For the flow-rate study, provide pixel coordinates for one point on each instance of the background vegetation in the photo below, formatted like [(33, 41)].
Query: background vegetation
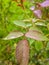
[(11, 18)]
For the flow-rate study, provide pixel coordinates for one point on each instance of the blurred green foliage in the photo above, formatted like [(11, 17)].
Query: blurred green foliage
[(9, 12)]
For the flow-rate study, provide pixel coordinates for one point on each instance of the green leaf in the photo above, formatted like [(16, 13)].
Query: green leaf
[(22, 24), (38, 45), (40, 24), (47, 47), (34, 27), (13, 35), (48, 26)]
